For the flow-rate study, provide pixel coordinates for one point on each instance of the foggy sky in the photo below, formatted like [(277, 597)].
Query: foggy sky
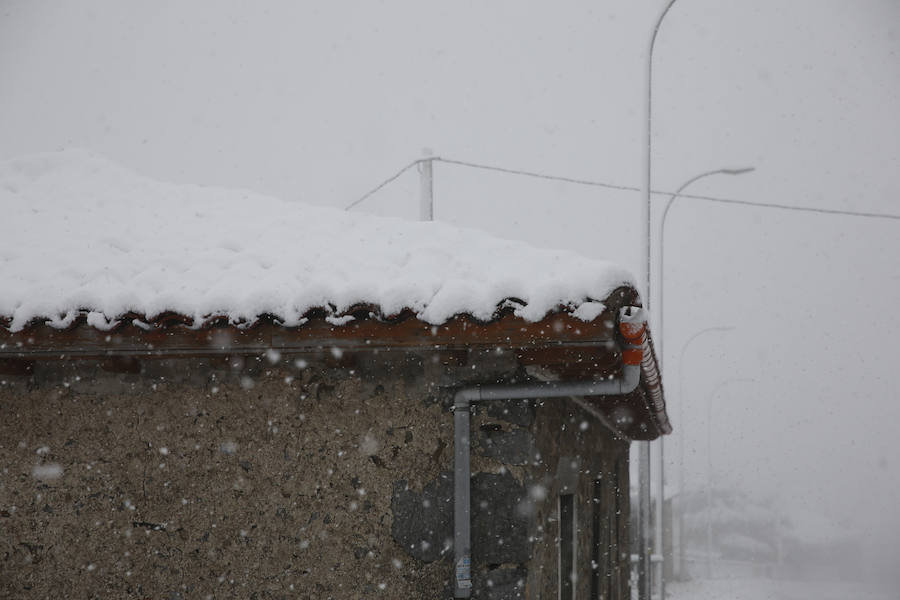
[(322, 103)]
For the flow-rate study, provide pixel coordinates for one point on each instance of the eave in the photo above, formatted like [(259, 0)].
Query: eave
[(560, 346)]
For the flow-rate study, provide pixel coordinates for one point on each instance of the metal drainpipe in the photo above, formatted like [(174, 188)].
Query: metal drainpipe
[(632, 325)]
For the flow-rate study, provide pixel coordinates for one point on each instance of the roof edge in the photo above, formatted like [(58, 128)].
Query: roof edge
[(86, 316)]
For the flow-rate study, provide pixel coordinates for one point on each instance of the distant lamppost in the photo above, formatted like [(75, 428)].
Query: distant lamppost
[(682, 566), (709, 465)]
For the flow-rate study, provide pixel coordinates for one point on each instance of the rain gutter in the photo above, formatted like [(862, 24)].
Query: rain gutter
[(633, 327)]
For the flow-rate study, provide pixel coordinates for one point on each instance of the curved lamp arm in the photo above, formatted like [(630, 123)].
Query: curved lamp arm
[(662, 241)]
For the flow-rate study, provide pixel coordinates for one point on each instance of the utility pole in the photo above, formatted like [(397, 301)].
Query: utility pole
[(426, 187)]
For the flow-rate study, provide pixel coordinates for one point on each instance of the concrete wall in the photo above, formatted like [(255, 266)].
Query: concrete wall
[(268, 479)]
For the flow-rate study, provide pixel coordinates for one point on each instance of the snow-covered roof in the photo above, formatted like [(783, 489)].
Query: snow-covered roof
[(79, 234)]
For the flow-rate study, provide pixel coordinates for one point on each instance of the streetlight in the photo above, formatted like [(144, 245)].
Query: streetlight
[(648, 130), (658, 541), (709, 466), (662, 235), (682, 567), (658, 533), (644, 448)]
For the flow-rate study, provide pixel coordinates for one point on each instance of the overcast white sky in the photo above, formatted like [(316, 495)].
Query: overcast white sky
[(321, 103)]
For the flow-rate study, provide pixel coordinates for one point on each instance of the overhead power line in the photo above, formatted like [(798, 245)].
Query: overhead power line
[(625, 188), (824, 211), (384, 183), (537, 175)]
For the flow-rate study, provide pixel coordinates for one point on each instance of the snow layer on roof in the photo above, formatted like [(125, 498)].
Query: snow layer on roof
[(79, 233)]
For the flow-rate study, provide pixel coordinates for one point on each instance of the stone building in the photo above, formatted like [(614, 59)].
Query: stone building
[(183, 452)]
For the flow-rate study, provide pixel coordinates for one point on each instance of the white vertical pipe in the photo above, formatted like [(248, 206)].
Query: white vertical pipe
[(426, 187)]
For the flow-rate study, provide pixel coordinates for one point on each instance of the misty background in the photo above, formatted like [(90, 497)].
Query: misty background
[(320, 103)]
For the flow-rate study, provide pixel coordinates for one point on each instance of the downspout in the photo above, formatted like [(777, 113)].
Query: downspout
[(633, 327)]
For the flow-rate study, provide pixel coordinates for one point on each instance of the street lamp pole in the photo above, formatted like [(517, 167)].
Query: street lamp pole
[(648, 148), (644, 589), (682, 565), (662, 237), (660, 339), (709, 466)]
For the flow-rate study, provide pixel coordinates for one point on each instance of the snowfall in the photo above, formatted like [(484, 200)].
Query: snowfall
[(81, 234)]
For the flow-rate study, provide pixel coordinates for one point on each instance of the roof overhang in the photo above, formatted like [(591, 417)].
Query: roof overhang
[(560, 346)]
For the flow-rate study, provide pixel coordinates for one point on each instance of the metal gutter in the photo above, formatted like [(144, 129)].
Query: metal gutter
[(632, 326)]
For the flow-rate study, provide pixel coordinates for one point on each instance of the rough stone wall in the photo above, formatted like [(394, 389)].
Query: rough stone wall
[(212, 479)]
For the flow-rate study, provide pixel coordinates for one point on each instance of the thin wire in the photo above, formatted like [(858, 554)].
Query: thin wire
[(627, 188), (825, 211), (537, 175), (385, 182)]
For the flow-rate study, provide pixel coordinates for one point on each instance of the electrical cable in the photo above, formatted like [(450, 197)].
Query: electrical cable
[(537, 175), (385, 182), (626, 188)]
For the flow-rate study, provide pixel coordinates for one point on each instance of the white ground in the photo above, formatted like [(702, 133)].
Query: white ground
[(768, 589)]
